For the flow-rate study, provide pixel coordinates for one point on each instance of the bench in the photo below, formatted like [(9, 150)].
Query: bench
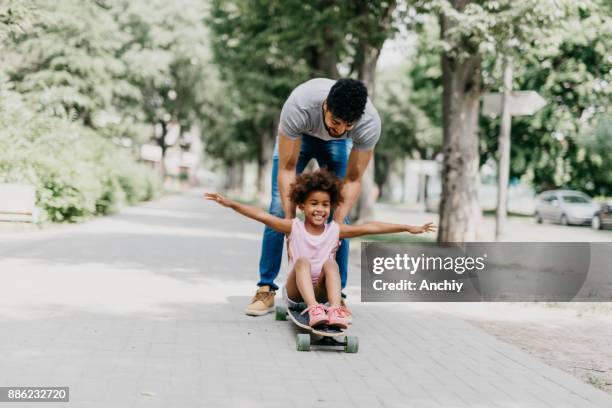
[(18, 203)]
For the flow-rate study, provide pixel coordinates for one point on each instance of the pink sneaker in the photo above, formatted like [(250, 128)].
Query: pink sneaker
[(316, 315), (346, 311), (337, 318)]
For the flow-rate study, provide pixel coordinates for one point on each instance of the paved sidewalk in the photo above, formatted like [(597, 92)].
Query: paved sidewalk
[(144, 309)]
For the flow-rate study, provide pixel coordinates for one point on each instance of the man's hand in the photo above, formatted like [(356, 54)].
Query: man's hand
[(219, 199), (258, 214), (429, 227), (351, 187)]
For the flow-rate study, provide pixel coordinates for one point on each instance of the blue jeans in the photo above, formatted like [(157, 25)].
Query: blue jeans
[(332, 154)]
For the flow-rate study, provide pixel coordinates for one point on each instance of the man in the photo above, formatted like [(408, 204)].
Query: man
[(335, 123)]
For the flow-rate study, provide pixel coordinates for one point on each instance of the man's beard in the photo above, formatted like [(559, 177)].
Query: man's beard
[(329, 132)]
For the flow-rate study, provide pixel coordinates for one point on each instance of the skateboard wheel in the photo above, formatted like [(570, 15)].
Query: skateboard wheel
[(281, 313), (303, 342), (352, 344)]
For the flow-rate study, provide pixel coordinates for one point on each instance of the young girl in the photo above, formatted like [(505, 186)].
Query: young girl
[(314, 277)]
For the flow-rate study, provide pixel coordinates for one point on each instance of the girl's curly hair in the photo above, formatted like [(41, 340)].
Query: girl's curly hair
[(319, 180)]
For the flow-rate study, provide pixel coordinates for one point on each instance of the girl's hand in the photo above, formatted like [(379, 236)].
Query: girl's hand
[(218, 198), (429, 227)]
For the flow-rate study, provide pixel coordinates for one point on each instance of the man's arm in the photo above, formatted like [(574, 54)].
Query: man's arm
[(282, 225), (288, 153), (375, 227), (357, 163)]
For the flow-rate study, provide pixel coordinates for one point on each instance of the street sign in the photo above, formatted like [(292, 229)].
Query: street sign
[(522, 103)]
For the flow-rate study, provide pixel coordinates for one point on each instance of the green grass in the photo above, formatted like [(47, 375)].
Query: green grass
[(596, 381)]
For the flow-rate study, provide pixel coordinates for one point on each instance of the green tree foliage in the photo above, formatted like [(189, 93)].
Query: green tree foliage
[(15, 17), (114, 65), (563, 145), (593, 153), (257, 49), (425, 74), (90, 76), (66, 100), (76, 172), (408, 117), (470, 32), (410, 101), (166, 54), (67, 61), (265, 48), (570, 68)]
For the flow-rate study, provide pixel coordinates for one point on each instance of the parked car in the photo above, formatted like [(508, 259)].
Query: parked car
[(565, 207), (603, 217)]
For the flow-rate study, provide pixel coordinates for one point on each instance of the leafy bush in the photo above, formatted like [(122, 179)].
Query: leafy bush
[(76, 172)]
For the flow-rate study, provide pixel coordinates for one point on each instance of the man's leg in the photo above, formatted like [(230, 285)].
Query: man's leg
[(271, 255), (273, 242), (334, 156)]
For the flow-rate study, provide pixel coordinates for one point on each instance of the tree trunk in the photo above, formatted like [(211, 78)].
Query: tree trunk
[(323, 60), (264, 170), (460, 211), (369, 195), (366, 72), (503, 167), (235, 174), (161, 142), (327, 63), (366, 60)]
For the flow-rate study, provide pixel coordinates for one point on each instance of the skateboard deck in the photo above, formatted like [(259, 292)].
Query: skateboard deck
[(323, 336), (301, 320)]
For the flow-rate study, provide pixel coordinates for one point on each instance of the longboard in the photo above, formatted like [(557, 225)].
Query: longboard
[(323, 335)]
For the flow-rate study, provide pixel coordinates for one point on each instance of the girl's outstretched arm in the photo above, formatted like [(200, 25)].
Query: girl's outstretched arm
[(282, 225), (375, 227)]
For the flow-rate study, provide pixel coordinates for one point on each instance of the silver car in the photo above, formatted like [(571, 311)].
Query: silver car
[(566, 207), (603, 218)]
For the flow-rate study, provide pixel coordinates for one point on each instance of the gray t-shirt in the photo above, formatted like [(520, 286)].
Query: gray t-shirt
[(303, 114)]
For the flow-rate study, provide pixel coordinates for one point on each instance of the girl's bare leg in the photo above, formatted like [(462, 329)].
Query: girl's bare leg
[(299, 283), (330, 278)]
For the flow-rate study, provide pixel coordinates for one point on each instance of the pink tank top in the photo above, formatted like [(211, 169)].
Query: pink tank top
[(316, 248)]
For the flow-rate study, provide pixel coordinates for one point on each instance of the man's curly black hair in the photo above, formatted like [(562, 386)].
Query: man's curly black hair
[(347, 99), (319, 180)]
